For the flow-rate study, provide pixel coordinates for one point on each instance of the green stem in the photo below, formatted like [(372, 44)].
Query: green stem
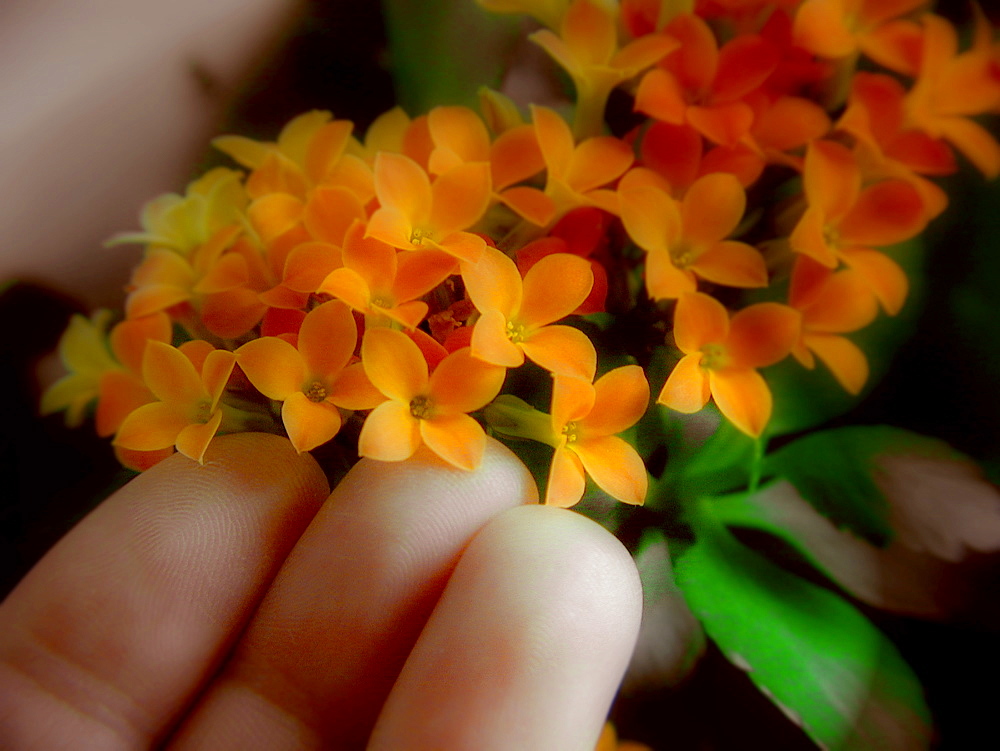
[(757, 463)]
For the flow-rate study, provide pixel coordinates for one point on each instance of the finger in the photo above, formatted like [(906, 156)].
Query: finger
[(323, 651), (104, 641), (527, 645)]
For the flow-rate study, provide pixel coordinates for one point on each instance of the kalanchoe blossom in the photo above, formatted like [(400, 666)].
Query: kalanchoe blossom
[(585, 421), (516, 315), (721, 358), (188, 383), (421, 408), (416, 214), (313, 378)]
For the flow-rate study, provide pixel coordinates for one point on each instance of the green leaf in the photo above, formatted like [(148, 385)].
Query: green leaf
[(818, 659), (835, 471), (442, 51)]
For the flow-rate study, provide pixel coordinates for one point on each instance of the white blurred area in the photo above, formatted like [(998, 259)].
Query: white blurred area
[(104, 105)]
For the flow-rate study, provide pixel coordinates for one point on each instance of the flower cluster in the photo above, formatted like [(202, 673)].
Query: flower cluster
[(394, 280)]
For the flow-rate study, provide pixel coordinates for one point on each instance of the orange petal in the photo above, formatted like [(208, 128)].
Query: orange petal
[(119, 394), (832, 179), (790, 122), (215, 373), (530, 203), (152, 299), (762, 334), (664, 281), (391, 226), (810, 238), (724, 124), (651, 217), (402, 185), (886, 279), (491, 343), (228, 272), (553, 288), (493, 283), (420, 271), (745, 63), (409, 314), (699, 319), (660, 96), (171, 376), (572, 400), (687, 387), (390, 433), (820, 27), (330, 211), (456, 438), (844, 359), (622, 397), (152, 427), (567, 480), (515, 156), (743, 397), (232, 313), (555, 140), (193, 440), (325, 147), (394, 364), (128, 338), (461, 197), (309, 424), (844, 302), (327, 338), (462, 383), (352, 389), (464, 246), (885, 213), (562, 350), (459, 135), (974, 141), (349, 286), (734, 264), (274, 367), (615, 466), (273, 215), (308, 264), (712, 207), (598, 161)]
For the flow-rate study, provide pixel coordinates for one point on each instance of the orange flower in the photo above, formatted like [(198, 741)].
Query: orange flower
[(311, 379), (516, 314), (587, 49), (838, 28), (832, 303), (416, 214), (703, 86), (844, 220), (421, 408), (585, 419), (684, 239), (188, 382), (382, 283), (576, 173), (721, 357)]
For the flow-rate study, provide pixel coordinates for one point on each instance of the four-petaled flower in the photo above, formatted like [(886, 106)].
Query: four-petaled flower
[(313, 378), (585, 420), (721, 357), (421, 408)]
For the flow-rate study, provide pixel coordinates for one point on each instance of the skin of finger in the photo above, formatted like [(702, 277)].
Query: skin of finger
[(318, 660), (527, 645), (104, 642)]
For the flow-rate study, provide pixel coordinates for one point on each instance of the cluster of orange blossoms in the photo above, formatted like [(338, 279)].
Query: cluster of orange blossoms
[(392, 282)]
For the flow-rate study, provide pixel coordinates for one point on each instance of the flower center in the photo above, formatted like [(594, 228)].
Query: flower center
[(682, 255), (421, 407), (515, 332), (714, 357), (571, 431), (316, 392), (419, 236), (831, 236), (202, 412)]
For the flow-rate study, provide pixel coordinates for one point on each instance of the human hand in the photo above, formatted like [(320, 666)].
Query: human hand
[(232, 605)]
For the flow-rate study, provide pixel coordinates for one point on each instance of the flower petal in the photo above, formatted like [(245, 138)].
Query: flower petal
[(843, 357), (493, 283), (491, 343), (687, 387), (699, 319), (553, 288), (171, 376), (456, 438), (402, 185), (390, 433), (327, 338), (732, 263), (274, 367), (712, 207), (394, 364), (309, 424), (562, 350), (152, 427), (567, 480), (743, 397), (572, 400), (460, 197), (462, 383), (762, 334), (621, 398), (615, 466), (193, 440)]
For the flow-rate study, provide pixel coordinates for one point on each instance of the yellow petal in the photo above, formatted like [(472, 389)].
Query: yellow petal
[(843, 357), (171, 376), (712, 207), (152, 427), (463, 383), (651, 217), (699, 319), (493, 283), (572, 400), (352, 389), (401, 184), (732, 263), (490, 341), (327, 338), (460, 197)]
